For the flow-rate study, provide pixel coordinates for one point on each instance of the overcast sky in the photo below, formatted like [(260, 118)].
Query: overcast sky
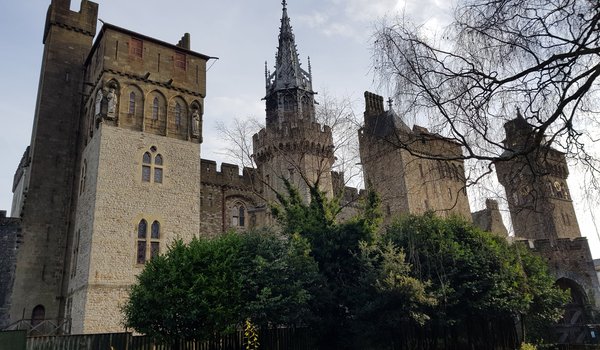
[(243, 34)]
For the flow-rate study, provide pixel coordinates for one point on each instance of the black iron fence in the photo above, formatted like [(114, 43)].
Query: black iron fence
[(269, 339)]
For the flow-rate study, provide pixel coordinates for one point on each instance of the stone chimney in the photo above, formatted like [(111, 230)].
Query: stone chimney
[(184, 43)]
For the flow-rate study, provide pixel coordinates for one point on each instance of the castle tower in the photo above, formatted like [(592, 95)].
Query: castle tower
[(292, 145), (534, 176), (413, 171), (46, 190), (535, 179), (139, 168)]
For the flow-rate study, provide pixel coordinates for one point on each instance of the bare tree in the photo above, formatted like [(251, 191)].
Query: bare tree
[(238, 135), (541, 57), (498, 59), (338, 114)]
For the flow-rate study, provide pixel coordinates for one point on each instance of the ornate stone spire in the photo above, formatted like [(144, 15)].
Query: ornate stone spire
[(288, 73)]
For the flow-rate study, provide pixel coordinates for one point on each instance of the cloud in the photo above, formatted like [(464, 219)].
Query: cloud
[(352, 18)]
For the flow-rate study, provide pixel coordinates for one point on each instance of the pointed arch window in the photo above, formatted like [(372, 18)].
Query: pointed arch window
[(147, 247), (154, 239), (238, 215), (131, 103), (152, 166), (155, 108), (142, 234)]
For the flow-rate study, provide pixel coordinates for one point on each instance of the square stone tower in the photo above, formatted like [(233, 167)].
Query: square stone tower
[(46, 190), (412, 170)]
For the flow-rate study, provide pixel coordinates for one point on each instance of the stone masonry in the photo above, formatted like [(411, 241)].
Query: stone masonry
[(114, 172)]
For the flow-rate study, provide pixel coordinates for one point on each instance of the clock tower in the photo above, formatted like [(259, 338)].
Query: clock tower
[(535, 179)]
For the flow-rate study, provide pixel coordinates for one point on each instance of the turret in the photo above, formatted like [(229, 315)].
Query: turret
[(289, 95)]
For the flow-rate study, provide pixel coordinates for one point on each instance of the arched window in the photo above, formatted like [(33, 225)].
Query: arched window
[(146, 167), (150, 167), (154, 239), (238, 215), (142, 234), (155, 109), (177, 114), (242, 216), (147, 246), (38, 314), (132, 103)]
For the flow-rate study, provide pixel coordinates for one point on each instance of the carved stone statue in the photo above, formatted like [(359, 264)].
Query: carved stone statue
[(98, 107), (111, 98), (196, 123)]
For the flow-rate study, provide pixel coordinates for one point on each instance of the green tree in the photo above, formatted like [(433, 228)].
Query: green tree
[(482, 282), (364, 289), (212, 285)]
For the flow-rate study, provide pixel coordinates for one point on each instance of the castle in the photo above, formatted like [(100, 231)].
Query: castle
[(114, 172)]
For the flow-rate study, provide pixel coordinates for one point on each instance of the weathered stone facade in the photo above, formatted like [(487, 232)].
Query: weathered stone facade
[(114, 173), (413, 170), (10, 232)]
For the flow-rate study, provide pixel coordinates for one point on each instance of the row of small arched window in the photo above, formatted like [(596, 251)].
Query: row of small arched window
[(155, 108)]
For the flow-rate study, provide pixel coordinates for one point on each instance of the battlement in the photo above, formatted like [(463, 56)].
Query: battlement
[(84, 21), (302, 128), (571, 245), (303, 136), (229, 174)]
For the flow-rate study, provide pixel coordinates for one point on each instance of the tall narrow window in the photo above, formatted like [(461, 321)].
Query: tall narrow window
[(155, 109), (132, 103), (136, 47), (242, 216), (154, 239), (75, 254), (177, 114), (142, 234), (147, 247), (146, 167), (238, 215), (158, 171), (152, 166)]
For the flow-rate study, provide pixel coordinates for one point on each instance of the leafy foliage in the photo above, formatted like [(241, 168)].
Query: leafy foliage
[(212, 285), (477, 277), (364, 286)]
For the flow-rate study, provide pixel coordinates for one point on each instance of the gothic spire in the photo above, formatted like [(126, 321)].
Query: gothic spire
[(288, 73)]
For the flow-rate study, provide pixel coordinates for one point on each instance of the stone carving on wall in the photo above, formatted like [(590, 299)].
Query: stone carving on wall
[(196, 123), (111, 98), (98, 104)]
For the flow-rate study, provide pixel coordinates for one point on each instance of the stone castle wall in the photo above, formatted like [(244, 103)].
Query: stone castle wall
[(107, 263), (46, 208), (9, 237)]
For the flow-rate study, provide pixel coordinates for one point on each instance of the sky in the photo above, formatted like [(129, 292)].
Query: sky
[(336, 34)]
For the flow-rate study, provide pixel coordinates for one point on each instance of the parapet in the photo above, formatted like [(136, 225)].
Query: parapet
[(229, 175), (302, 136), (84, 21), (571, 245)]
